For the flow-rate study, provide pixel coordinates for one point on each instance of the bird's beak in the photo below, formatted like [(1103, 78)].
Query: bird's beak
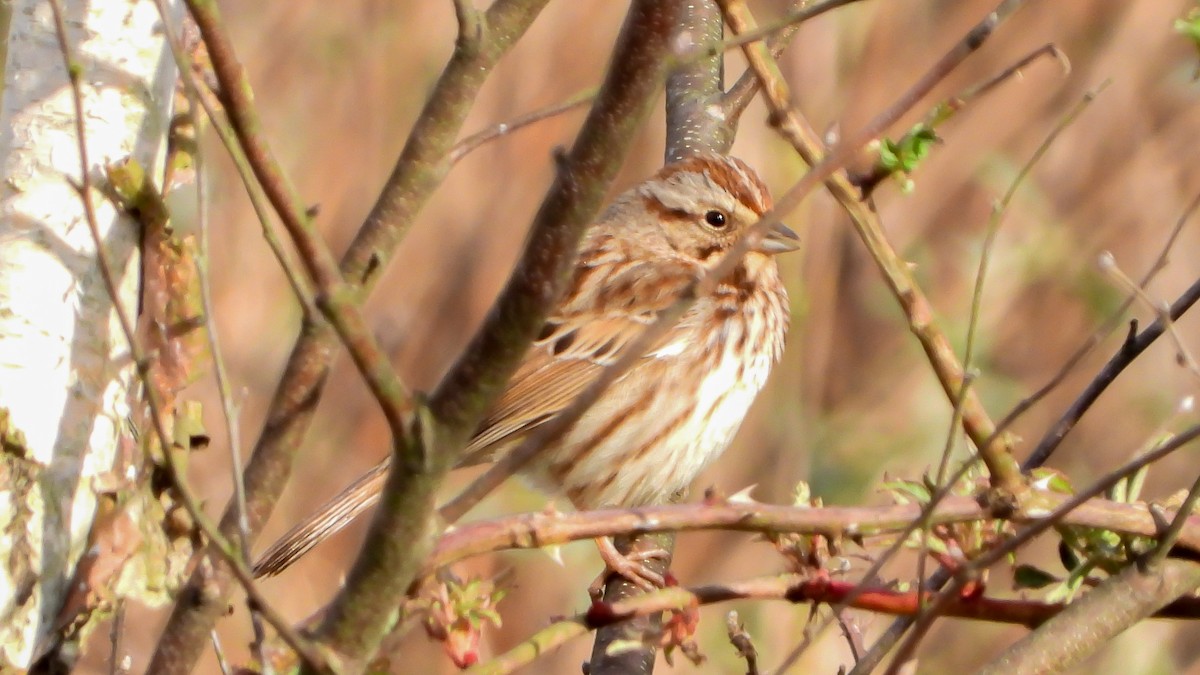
[(779, 239)]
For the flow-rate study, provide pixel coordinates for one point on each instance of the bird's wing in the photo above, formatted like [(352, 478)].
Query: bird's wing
[(573, 348)]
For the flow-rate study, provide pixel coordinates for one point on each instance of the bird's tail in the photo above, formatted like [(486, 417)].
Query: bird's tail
[(334, 515)]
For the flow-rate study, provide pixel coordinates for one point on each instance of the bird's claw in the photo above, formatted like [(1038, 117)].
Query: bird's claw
[(632, 566)]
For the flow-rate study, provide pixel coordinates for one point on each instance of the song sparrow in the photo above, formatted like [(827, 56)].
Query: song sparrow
[(677, 409)]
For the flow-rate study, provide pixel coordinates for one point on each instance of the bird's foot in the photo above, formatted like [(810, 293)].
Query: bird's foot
[(632, 566)]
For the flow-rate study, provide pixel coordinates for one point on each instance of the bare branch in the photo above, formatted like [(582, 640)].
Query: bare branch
[(470, 143)]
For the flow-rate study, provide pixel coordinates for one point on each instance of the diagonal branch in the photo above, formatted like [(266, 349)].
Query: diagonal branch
[(1080, 630), (337, 299), (995, 452)]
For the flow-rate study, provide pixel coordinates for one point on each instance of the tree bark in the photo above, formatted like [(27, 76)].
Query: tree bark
[(65, 371)]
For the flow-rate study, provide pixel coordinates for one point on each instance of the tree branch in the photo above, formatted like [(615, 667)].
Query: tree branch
[(1082, 629)]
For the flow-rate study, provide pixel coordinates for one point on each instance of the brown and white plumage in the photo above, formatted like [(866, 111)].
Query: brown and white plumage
[(679, 406)]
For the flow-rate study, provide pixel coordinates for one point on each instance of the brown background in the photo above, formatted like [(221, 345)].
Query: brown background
[(339, 84)]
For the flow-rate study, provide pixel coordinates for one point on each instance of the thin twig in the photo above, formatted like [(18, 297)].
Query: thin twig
[(1000, 210), (219, 652), (741, 641), (200, 93), (470, 143), (1108, 265), (948, 108), (1048, 49), (1106, 329)]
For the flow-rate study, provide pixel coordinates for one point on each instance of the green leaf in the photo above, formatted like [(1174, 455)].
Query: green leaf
[(1189, 27), (1028, 576), (1055, 481), (901, 488)]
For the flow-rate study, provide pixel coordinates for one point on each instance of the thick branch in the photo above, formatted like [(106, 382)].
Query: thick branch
[(694, 91), (1085, 626)]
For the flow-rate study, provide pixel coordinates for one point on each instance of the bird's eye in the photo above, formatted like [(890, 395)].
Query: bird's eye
[(715, 219)]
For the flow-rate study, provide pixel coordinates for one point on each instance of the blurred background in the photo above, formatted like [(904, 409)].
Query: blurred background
[(339, 84)]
